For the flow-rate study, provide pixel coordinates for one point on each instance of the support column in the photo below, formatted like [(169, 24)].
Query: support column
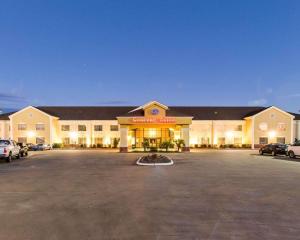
[(185, 135), (123, 138)]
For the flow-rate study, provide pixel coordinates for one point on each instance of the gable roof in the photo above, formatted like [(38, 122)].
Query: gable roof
[(111, 113)]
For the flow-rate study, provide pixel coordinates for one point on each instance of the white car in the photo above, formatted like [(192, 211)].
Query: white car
[(9, 149), (294, 150)]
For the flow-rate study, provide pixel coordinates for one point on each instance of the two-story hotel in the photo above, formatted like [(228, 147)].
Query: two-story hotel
[(153, 121)]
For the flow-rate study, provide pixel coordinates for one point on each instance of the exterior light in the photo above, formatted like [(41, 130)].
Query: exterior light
[(272, 134), (30, 134), (73, 135), (229, 134), (152, 133)]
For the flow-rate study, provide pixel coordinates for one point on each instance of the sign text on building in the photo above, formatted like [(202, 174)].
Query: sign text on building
[(153, 120)]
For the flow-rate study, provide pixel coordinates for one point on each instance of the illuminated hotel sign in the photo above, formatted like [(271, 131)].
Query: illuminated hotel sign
[(153, 120)]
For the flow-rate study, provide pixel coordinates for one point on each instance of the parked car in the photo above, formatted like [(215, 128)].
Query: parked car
[(9, 149), (273, 149), (23, 149), (294, 150), (41, 147), (30, 146)]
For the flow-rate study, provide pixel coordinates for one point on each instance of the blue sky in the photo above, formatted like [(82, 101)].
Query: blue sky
[(119, 52)]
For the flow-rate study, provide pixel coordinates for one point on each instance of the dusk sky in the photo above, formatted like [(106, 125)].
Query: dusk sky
[(235, 53)]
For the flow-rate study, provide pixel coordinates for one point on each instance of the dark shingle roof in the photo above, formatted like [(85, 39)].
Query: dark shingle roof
[(110, 113)]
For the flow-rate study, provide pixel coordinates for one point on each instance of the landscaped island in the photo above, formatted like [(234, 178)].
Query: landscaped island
[(154, 159)]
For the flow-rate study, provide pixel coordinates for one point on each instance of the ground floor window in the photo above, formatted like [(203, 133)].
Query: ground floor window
[(81, 140), (66, 141), (205, 140), (281, 140), (263, 140), (22, 140), (237, 141), (221, 141), (40, 140), (155, 136), (98, 140)]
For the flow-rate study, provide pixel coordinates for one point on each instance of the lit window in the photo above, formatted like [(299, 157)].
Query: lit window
[(114, 128), (40, 140), (40, 127), (22, 126), (22, 140), (81, 128), (65, 127), (281, 140), (263, 140), (98, 128)]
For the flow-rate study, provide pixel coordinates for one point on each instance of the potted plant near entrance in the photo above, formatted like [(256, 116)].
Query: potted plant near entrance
[(179, 143), (145, 144), (166, 145)]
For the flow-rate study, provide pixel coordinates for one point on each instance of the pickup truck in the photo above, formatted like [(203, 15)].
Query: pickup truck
[(9, 149), (294, 150)]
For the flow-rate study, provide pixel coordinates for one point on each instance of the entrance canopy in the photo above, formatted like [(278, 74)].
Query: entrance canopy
[(155, 122)]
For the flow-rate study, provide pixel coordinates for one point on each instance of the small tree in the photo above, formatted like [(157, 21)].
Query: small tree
[(179, 143), (145, 144), (116, 142), (166, 145)]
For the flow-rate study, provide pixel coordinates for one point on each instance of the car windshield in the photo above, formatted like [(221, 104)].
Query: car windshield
[(4, 142)]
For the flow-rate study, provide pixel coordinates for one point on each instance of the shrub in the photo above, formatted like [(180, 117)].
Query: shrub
[(57, 145), (99, 145), (145, 144), (116, 142), (166, 145), (179, 143), (153, 149), (246, 146)]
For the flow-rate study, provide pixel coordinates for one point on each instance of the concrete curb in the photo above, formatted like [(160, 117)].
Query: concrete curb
[(154, 164)]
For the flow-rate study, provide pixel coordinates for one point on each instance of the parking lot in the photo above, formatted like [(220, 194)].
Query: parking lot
[(210, 194)]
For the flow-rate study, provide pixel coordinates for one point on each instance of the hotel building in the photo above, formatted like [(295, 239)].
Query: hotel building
[(156, 122)]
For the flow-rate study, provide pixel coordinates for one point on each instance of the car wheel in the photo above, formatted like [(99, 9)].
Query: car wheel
[(291, 154), (273, 153), (261, 152), (9, 158)]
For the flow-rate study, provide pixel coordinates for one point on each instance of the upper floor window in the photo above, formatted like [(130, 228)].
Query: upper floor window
[(22, 126), (98, 128), (281, 127), (81, 128), (114, 128), (65, 127), (40, 127), (239, 128)]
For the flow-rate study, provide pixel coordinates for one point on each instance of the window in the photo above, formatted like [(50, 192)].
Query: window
[(239, 128), (263, 140), (237, 141), (81, 140), (114, 128), (98, 141), (221, 141), (66, 141), (40, 140), (98, 128), (65, 127), (22, 126), (40, 127), (81, 128), (281, 140), (22, 140)]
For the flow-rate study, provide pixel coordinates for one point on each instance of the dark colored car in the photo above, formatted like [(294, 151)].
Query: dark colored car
[(273, 149), (30, 147), (41, 147), (23, 149)]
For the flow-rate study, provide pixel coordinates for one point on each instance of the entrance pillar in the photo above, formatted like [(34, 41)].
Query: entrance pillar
[(185, 135), (123, 138)]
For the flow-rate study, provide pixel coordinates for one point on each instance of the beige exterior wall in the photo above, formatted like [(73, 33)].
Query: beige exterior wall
[(200, 132), (272, 124), (106, 134), (30, 117), (4, 129), (212, 132)]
